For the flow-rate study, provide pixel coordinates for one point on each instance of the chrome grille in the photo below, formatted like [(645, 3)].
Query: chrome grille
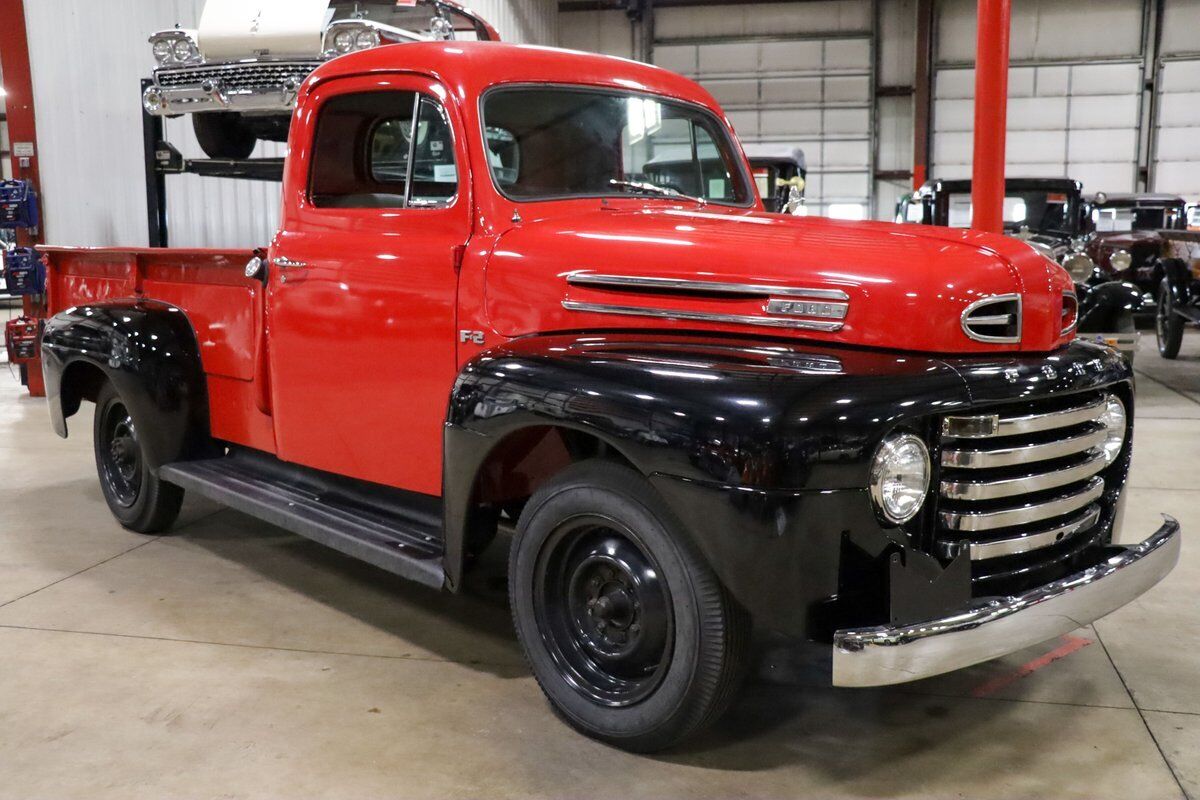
[(1014, 482), (237, 77)]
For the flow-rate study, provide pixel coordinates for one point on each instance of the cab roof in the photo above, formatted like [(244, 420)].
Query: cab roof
[(470, 68)]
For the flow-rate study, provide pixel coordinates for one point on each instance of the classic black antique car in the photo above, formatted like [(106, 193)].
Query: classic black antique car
[(1179, 289), (780, 172), (1052, 215), (1127, 240)]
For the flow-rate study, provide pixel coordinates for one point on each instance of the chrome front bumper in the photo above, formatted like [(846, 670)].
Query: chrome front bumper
[(161, 102), (996, 626)]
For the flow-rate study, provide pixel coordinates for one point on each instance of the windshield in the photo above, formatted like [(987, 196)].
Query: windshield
[(1136, 219), (1039, 211), (553, 142)]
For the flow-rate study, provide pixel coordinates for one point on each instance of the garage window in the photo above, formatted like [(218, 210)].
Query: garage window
[(383, 150)]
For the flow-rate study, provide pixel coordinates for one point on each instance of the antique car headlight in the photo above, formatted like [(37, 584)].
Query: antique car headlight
[(348, 36), (1121, 260), (176, 46), (163, 50), (1079, 266), (365, 40), (1114, 421), (343, 41), (900, 477), (184, 50)]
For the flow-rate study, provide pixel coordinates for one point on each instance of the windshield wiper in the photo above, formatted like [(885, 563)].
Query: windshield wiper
[(655, 189)]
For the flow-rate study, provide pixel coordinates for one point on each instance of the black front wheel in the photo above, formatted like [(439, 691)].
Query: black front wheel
[(223, 134), (629, 633), (135, 495), (1168, 326)]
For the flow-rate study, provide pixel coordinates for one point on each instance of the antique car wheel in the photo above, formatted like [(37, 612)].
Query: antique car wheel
[(629, 633), (1168, 326), (223, 134), (135, 495)]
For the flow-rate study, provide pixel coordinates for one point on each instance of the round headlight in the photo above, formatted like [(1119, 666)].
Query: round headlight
[(162, 50), (184, 50), (1114, 421), (1121, 260), (365, 40), (1079, 266), (900, 477), (343, 41)]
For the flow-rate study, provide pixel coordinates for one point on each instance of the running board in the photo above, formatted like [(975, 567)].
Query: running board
[(397, 531)]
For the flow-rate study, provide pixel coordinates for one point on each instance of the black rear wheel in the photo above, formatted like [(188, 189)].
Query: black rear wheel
[(629, 633), (135, 495), (1168, 326)]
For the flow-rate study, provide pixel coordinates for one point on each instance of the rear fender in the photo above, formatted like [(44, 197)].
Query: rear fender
[(148, 351)]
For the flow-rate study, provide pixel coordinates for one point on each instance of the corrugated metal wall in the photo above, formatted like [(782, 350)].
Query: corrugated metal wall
[(88, 59), (1074, 91), (1176, 166)]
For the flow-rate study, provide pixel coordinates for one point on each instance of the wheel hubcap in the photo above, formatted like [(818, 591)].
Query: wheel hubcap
[(120, 455), (604, 611)]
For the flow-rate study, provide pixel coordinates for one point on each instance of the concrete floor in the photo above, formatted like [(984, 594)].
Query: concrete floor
[(235, 660)]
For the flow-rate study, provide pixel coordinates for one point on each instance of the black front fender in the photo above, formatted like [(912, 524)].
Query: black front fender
[(1108, 307), (762, 450), (148, 351)]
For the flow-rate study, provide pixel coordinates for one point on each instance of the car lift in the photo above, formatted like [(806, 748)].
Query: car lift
[(162, 159)]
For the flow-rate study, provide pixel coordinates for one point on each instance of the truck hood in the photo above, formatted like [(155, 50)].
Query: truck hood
[(902, 287)]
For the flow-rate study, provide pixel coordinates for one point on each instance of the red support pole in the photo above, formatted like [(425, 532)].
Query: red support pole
[(991, 115), (922, 89), (18, 86)]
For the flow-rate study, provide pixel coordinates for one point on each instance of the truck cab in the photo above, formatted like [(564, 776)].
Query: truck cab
[(484, 317)]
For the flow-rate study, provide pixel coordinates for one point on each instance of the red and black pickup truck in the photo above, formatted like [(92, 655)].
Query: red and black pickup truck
[(481, 314)]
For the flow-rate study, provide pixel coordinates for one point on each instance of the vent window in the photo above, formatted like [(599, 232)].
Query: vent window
[(994, 319)]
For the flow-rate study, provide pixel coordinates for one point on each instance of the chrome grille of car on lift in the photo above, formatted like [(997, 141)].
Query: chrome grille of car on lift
[(237, 77), (1019, 481)]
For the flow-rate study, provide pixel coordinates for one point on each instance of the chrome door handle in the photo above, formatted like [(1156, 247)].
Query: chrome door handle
[(287, 263)]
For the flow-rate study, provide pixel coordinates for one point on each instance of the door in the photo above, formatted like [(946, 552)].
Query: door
[(361, 294)]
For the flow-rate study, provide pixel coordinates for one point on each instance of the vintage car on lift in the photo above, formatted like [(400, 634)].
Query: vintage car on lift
[(694, 416), (239, 73), (1126, 243), (1179, 292), (1051, 215)]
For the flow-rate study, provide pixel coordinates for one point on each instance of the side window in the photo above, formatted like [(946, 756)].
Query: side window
[(368, 153)]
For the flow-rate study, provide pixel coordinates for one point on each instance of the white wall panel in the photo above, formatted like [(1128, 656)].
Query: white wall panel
[(763, 19), (1181, 22), (527, 21), (605, 32), (1079, 121), (87, 60), (1046, 30), (1177, 149), (89, 114)]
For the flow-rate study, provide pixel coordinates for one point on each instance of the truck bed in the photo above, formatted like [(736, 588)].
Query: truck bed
[(224, 307)]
